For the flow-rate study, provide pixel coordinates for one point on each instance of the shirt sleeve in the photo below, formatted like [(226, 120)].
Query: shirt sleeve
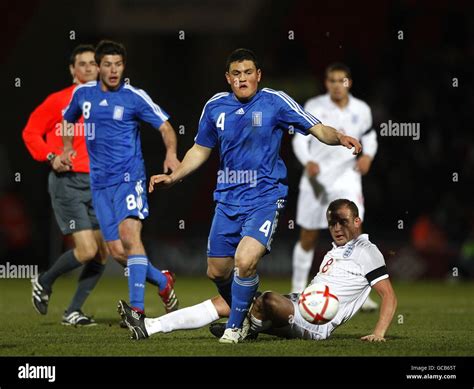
[(301, 148), (73, 111), (292, 115), (41, 121), (373, 264), (148, 111), (207, 131), (369, 136)]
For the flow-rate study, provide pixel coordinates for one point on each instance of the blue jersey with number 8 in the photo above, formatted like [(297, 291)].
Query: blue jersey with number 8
[(111, 128)]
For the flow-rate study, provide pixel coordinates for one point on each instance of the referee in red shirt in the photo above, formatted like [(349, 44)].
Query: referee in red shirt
[(70, 193)]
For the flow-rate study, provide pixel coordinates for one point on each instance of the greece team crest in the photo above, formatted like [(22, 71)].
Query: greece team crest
[(118, 112), (256, 119)]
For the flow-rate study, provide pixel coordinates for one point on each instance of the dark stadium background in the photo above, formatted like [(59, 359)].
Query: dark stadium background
[(409, 80)]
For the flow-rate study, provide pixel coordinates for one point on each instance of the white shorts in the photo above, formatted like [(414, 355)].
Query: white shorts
[(299, 328), (311, 209)]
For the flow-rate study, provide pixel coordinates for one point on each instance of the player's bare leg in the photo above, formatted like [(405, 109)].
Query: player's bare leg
[(245, 284), (248, 254), (86, 247), (271, 313), (102, 250), (117, 251), (303, 254)]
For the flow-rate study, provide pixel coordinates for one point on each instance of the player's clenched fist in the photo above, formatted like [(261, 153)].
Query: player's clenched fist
[(161, 181)]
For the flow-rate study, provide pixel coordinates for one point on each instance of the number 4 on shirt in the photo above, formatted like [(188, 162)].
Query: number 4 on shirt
[(265, 228), (220, 121)]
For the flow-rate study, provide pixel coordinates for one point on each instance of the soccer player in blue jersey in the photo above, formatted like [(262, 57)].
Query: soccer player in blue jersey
[(247, 125), (112, 111)]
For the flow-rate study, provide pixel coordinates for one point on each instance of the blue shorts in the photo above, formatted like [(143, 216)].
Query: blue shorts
[(115, 203), (232, 222)]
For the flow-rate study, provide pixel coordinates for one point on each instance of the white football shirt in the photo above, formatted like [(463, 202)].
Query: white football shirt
[(350, 271), (336, 163)]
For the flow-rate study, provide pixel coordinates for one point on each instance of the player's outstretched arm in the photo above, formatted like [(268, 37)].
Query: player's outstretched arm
[(387, 310), (193, 159), (171, 143), (331, 136)]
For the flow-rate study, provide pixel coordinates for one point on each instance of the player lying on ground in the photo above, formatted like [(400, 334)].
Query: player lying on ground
[(247, 127), (116, 164), (350, 269)]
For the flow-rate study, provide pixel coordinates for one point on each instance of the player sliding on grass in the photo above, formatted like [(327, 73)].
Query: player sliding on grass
[(350, 269), (117, 168), (247, 126)]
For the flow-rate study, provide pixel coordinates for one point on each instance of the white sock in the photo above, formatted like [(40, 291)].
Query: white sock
[(257, 325), (189, 318), (302, 261)]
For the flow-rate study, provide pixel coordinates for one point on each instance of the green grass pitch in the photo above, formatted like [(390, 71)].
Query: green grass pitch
[(432, 319)]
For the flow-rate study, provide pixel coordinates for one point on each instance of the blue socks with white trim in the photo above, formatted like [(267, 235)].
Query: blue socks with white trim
[(156, 277), (243, 292), (137, 270)]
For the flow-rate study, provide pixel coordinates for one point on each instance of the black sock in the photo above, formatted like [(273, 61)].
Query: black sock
[(224, 287), (64, 264), (87, 281)]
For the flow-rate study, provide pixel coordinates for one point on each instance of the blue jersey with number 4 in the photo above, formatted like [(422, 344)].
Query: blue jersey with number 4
[(111, 121), (249, 137)]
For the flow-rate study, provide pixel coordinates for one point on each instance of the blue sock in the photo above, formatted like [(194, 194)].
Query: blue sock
[(137, 269), (224, 287), (156, 277), (243, 291)]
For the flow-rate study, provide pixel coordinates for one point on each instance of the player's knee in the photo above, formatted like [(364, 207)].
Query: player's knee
[(86, 253), (246, 266), (118, 253), (129, 238), (258, 303), (217, 274), (269, 302)]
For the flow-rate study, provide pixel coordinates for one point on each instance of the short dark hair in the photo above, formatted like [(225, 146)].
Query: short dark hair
[(79, 50), (339, 66), (106, 47), (339, 203), (240, 55)]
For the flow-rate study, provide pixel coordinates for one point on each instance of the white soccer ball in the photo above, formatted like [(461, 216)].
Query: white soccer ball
[(317, 304)]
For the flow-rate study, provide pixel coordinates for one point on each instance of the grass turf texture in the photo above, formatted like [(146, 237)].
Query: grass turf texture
[(436, 319)]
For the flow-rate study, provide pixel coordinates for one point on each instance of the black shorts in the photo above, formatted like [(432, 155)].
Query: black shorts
[(71, 199)]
